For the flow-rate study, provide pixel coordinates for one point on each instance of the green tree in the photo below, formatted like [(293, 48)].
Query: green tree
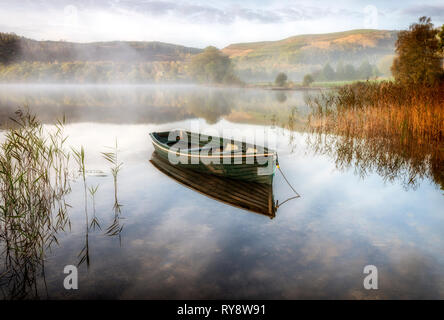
[(365, 70), (418, 49), (328, 72), (9, 47), (281, 79), (308, 79), (212, 66), (349, 72), (340, 71)]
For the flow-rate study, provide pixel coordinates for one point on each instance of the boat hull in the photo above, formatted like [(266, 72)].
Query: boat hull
[(255, 169)]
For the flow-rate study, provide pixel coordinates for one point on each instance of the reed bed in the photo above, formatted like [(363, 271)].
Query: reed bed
[(34, 180), (33, 184), (397, 130)]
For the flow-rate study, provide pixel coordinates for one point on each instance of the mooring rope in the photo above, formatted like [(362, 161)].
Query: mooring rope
[(286, 180)]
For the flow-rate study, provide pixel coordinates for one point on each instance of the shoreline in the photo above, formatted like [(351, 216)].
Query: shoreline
[(161, 84), (299, 88)]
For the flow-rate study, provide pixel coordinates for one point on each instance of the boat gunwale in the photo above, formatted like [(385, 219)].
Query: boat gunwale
[(242, 155)]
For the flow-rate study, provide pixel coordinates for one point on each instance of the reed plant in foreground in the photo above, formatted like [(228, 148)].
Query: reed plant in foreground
[(385, 126), (79, 156), (33, 185), (112, 157), (94, 222)]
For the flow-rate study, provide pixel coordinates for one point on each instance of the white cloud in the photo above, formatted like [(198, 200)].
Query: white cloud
[(192, 23)]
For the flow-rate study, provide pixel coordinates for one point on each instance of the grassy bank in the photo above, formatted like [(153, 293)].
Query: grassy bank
[(314, 85)]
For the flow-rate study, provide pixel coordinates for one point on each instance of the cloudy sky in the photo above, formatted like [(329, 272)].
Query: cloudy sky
[(199, 23)]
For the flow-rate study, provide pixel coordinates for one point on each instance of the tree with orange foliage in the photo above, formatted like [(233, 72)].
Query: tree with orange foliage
[(418, 60)]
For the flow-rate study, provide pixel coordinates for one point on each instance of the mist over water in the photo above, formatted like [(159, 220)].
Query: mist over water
[(178, 243), (150, 103)]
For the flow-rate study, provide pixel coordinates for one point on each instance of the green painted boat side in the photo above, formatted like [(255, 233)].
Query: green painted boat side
[(258, 167)]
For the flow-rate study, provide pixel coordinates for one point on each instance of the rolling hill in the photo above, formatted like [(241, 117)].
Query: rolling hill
[(256, 61), (114, 51), (305, 53)]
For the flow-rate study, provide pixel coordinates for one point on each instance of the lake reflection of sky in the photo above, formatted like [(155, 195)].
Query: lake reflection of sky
[(177, 243)]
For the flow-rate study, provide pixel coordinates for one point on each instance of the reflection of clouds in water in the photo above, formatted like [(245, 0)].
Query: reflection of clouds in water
[(177, 253), (179, 244), (362, 205), (411, 273), (315, 248)]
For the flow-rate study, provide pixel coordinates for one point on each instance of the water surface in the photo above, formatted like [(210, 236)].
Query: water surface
[(179, 244)]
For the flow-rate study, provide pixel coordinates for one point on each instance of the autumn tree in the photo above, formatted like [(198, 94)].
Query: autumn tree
[(441, 39), (212, 66), (418, 54)]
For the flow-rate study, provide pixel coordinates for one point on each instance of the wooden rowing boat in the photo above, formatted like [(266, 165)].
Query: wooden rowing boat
[(218, 156), (251, 196)]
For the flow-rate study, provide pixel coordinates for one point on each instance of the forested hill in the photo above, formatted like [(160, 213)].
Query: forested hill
[(349, 46), (18, 49), (23, 59), (305, 53)]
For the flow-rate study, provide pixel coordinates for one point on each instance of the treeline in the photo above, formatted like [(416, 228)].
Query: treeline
[(346, 72), (17, 49), (24, 60), (9, 48), (94, 72)]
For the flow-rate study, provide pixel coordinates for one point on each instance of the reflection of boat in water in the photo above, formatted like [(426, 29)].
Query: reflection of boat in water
[(218, 156), (252, 196)]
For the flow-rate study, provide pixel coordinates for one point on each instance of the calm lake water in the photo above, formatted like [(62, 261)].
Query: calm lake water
[(177, 243)]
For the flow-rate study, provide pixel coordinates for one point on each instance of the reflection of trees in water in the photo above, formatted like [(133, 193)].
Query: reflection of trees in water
[(291, 125), (393, 160), (148, 104), (392, 129), (210, 106), (281, 96)]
